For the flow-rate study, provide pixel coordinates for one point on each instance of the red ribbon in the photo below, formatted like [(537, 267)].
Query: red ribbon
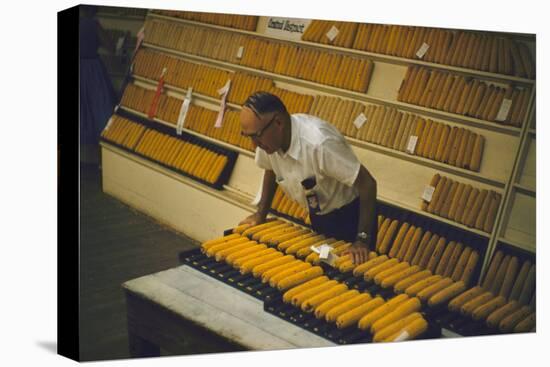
[(154, 104)]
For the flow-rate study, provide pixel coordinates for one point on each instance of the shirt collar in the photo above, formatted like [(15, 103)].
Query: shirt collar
[(294, 147)]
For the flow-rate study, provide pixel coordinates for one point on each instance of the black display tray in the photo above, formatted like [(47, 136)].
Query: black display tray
[(193, 139), (272, 299)]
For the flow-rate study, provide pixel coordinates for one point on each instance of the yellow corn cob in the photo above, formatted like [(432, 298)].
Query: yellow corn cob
[(287, 296), (268, 274), (327, 305), (247, 266), (207, 244), (361, 269), (412, 330), (311, 303), (332, 314), (403, 284), (237, 262), (394, 278), (366, 321), (352, 316), (298, 298), (381, 276), (260, 269), (297, 268), (211, 251), (370, 274), (404, 309), (413, 289), (230, 256), (300, 278), (395, 327), (447, 293)]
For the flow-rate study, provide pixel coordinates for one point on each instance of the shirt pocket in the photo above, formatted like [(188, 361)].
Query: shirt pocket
[(291, 187)]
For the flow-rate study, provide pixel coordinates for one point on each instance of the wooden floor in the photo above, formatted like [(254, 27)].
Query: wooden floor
[(117, 244)]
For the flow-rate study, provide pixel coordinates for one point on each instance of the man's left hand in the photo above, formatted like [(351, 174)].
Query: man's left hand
[(358, 251)]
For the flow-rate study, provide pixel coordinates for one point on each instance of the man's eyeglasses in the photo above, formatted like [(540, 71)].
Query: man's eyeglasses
[(258, 134)]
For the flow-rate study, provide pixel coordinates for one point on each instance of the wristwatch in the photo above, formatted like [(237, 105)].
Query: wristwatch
[(363, 237)]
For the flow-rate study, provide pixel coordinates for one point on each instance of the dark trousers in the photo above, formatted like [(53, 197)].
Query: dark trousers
[(340, 223)]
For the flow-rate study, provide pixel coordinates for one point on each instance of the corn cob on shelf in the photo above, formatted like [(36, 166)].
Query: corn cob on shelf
[(471, 97), (246, 22), (324, 67), (391, 128), (505, 299), (190, 156), (472, 50), (463, 203)]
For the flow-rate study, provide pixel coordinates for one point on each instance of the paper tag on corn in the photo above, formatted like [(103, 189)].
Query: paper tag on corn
[(401, 337), (412, 144), (504, 109), (240, 52), (332, 33), (428, 193), (360, 120), (422, 50)]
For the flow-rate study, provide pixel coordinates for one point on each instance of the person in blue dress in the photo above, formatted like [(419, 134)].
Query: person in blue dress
[(97, 96)]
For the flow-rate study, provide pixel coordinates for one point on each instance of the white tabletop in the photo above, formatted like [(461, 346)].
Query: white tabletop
[(222, 309)]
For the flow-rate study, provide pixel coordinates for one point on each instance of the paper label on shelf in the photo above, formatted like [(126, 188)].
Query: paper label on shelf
[(428, 193), (183, 111), (240, 52), (360, 120), (504, 109), (332, 33), (422, 50), (224, 91), (401, 337), (412, 144)]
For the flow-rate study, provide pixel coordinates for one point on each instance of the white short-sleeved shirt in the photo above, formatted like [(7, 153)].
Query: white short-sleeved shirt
[(317, 149)]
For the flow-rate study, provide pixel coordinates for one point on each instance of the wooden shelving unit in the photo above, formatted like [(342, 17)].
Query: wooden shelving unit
[(401, 177)]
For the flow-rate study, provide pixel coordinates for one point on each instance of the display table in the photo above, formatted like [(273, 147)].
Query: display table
[(169, 308)]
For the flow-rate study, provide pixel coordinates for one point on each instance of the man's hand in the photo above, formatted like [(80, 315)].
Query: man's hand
[(359, 252), (254, 219)]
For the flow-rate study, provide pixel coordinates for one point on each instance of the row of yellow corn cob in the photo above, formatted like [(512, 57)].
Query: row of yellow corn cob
[(208, 80), (464, 96), (188, 157), (305, 286), (324, 67), (473, 50), (463, 203), (392, 128), (506, 298), (246, 22)]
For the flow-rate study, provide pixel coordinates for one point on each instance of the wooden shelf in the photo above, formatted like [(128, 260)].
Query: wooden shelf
[(530, 247), (354, 52), (433, 216), (524, 189), (363, 144), (209, 139), (243, 200), (232, 196), (532, 132), (360, 97)]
